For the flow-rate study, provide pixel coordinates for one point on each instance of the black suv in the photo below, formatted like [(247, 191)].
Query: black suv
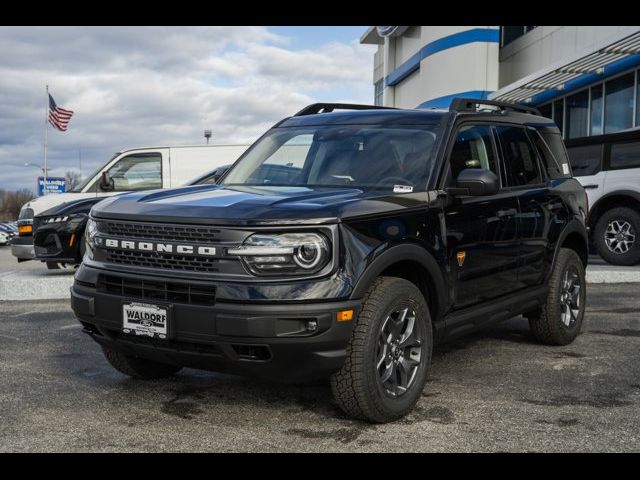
[(344, 244)]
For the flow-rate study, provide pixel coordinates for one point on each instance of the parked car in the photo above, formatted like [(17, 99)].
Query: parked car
[(58, 233), (4, 238), (344, 245), (608, 166), (129, 170)]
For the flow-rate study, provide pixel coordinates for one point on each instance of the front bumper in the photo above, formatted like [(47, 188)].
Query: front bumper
[(22, 248), (265, 340)]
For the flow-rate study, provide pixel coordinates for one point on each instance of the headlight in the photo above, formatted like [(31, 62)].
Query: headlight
[(293, 253), (56, 219), (90, 237)]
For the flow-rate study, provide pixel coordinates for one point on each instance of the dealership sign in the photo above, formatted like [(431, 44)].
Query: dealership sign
[(54, 185)]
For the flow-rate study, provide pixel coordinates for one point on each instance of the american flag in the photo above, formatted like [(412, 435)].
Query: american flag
[(58, 117)]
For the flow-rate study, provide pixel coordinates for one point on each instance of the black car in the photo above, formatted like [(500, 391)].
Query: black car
[(58, 233), (344, 244)]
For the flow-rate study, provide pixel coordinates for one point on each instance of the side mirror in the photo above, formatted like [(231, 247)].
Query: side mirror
[(106, 183), (476, 182)]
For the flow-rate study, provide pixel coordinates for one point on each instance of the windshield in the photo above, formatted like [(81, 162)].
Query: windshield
[(393, 158), (87, 179)]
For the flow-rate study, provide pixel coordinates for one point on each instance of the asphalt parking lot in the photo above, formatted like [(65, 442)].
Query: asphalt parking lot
[(495, 391)]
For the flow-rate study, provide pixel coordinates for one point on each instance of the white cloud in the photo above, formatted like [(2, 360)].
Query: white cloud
[(132, 86)]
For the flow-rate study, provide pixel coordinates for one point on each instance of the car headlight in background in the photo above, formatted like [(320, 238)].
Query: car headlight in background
[(293, 253)]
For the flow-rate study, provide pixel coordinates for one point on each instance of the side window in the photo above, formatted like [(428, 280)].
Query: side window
[(554, 142), (548, 159), (472, 148), (625, 155), (141, 171), (519, 158), (585, 160)]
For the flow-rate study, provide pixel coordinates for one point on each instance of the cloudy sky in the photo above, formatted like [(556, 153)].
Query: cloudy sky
[(137, 86)]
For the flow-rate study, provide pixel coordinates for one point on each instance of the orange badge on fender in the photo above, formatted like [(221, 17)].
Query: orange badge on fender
[(461, 256)]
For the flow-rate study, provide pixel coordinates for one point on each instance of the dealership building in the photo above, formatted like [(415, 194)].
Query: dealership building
[(584, 77)]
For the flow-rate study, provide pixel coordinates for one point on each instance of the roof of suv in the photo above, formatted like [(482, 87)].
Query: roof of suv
[(392, 116), (367, 117)]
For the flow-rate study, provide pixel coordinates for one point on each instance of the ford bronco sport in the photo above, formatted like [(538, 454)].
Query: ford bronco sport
[(344, 244)]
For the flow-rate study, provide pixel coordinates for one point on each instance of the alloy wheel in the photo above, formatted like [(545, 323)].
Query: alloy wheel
[(399, 352), (619, 236), (570, 297)]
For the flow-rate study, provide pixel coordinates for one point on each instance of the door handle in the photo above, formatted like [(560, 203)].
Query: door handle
[(590, 186), (510, 212)]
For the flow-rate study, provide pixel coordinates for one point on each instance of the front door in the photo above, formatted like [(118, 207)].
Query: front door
[(482, 233)]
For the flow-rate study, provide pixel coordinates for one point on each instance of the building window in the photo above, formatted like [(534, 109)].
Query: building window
[(577, 114), (377, 93), (558, 113), (618, 107), (509, 33), (596, 110)]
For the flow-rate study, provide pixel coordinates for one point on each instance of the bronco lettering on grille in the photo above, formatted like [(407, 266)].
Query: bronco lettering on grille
[(157, 247)]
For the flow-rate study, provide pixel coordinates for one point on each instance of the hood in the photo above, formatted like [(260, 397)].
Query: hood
[(212, 204), (40, 204)]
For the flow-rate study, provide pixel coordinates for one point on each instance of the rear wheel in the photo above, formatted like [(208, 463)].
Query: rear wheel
[(559, 320), (389, 354), (137, 367), (616, 236)]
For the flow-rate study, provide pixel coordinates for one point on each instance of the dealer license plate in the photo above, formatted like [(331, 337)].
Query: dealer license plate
[(144, 319)]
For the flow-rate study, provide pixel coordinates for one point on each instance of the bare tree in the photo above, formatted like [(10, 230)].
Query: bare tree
[(12, 202), (73, 179)]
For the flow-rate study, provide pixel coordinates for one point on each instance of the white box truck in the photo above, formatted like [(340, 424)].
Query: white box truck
[(130, 170)]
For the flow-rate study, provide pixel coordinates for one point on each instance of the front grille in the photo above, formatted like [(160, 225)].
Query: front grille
[(169, 262), (148, 231), (157, 290)]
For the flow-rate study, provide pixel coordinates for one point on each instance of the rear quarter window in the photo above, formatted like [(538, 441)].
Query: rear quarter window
[(556, 145), (585, 160), (625, 155)]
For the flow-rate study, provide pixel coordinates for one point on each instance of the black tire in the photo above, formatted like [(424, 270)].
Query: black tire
[(357, 386), (547, 323), (139, 368), (622, 215)]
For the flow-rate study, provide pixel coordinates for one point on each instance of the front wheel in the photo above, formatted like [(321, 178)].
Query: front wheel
[(559, 320), (389, 353)]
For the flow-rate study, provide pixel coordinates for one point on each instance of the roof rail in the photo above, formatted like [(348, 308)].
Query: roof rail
[(470, 104), (330, 107)]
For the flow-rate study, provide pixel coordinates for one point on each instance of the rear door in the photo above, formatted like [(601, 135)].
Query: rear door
[(482, 236), (525, 175)]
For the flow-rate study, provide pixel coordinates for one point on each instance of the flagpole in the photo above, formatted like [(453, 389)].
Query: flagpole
[(46, 127)]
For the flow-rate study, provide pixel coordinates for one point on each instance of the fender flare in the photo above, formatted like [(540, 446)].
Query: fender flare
[(399, 253), (574, 226), (623, 193)]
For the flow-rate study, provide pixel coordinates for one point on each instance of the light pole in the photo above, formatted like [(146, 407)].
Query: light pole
[(207, 135)]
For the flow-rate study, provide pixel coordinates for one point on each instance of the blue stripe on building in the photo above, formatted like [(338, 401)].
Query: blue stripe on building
[(490, 35)]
